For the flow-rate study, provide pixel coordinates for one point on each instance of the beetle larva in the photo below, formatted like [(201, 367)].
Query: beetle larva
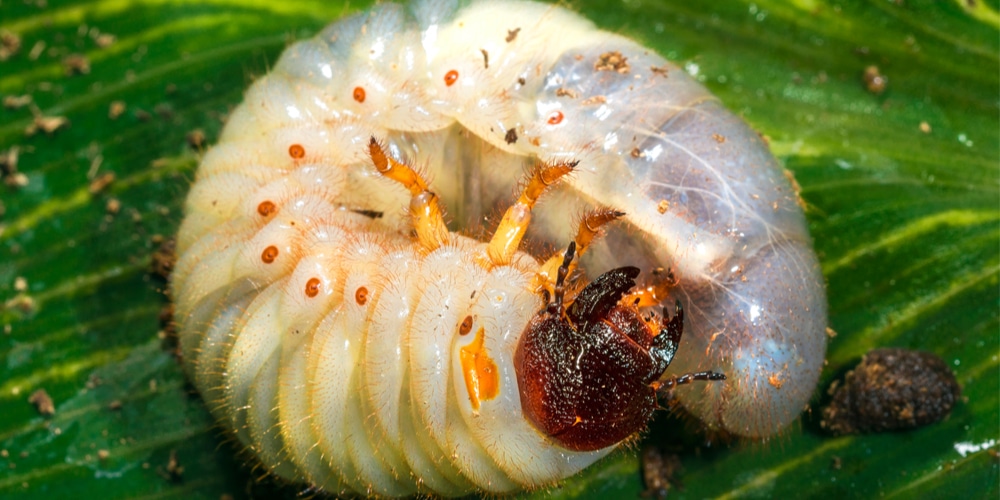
[(365, 348)]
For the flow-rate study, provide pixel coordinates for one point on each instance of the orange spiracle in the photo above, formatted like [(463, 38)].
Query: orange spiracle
[(359, 94), (269, 254), (361, 296), (266, 208), (296, 151), (312, 287), (466, 326), (450, 78)]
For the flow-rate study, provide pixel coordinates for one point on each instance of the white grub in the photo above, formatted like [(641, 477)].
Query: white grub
[(289, 231)]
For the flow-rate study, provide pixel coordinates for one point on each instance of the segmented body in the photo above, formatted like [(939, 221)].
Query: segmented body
[(317, 329)]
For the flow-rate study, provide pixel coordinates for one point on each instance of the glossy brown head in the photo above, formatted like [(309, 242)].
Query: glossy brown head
[(588, 373)]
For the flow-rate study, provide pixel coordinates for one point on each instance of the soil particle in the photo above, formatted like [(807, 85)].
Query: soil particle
[(511, 136), (16, 101), (612, 61), (43, 402), (659, 471), (196, 139), (101, 183), (10, 44), (116, 109), (47, 124), (874, 80), (76, 64), (892, 389), (164, 259)]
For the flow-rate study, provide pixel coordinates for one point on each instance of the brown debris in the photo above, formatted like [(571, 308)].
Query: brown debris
[(43, 402), (163, 259), (167, 334), (612, 61), (564, 92), (10, 44), (47, 124), (196, 139), (719, 138), (925, 127), (663, 206), (174, 470), (104, 40), (21, 303), (874, 80), (510, 137), (8, 161), (101, 183), (659, 70), (891, 389), (512, 34), (116, 109), (597, 99), (16, 101), (486, 58), (76, 64), (659, 471)]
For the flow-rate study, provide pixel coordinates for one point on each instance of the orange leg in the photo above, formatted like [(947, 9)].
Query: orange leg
[(507, 237), (428, 219), (590, 228)]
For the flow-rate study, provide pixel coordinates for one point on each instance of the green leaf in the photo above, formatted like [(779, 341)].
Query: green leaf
[(904, 216)]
